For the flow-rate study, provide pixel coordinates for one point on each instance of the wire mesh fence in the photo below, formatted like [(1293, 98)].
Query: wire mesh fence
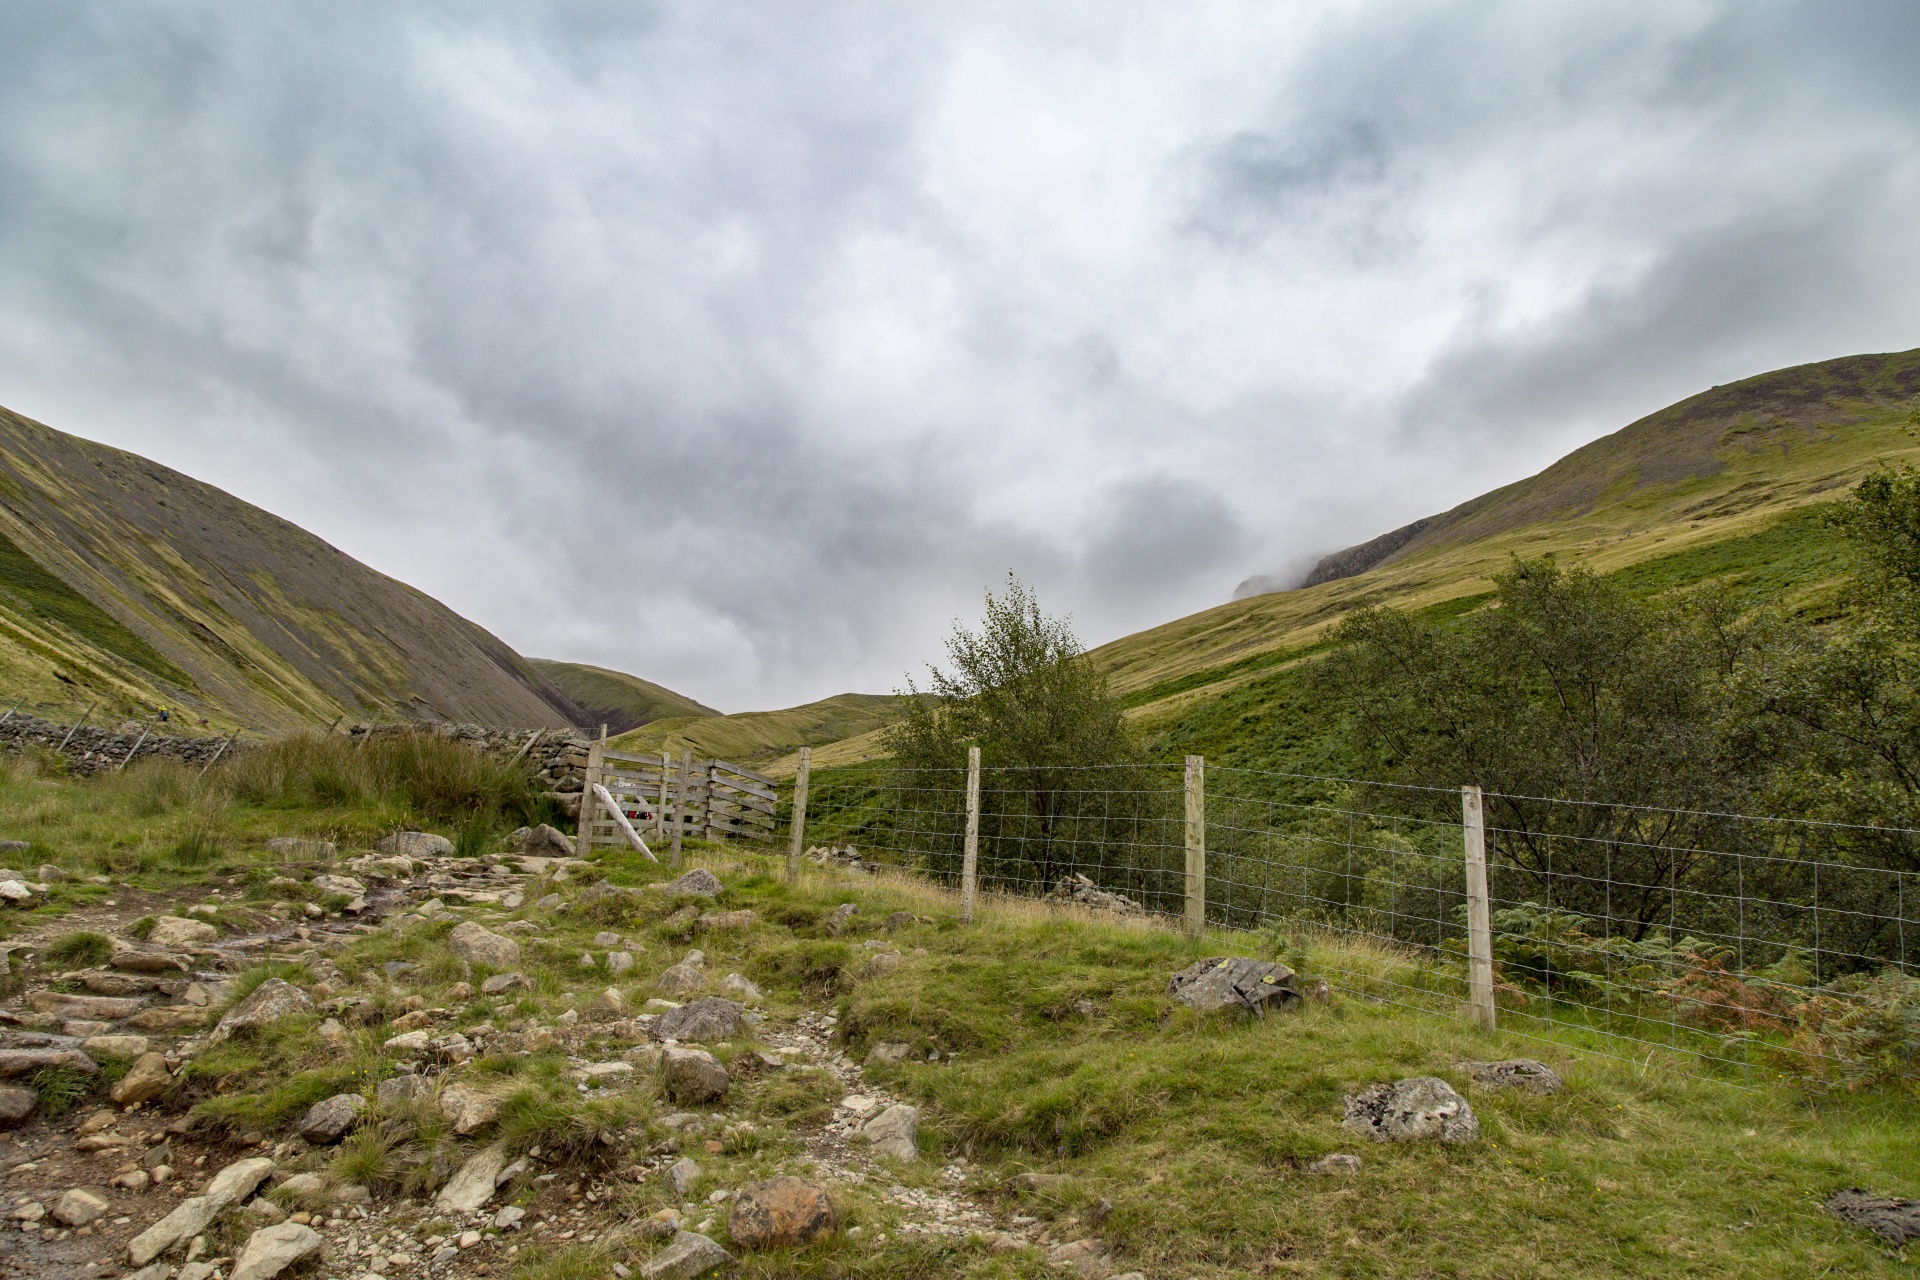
[(1746, 943)]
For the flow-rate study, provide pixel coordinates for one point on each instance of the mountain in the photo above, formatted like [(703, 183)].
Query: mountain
[(614, 698), (1707, 487), (127, 583), (767, 738)]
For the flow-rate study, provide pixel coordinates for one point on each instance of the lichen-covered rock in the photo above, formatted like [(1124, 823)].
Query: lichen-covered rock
[(397, 1091), (1222, 982), (894, 1132), (415, 844), (680, 980), (698, 882), (703, 1021), (468, 1110), (779, 1213), (692, 1076), (177, 931), (1412, 1110), (331, 1119), (1895, 1221), (145, 1080), (271, 1001), (888, 1053), (470, 1189), (477, 944), (1514, 1073)]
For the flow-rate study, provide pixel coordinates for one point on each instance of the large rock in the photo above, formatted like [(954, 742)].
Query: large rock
[(468, 1110), (683, 1174), (692, 1076), (475, 943), (894, 1132), (1514, 1073), (346, 885), (331, 1119), (888, 1053), (1895, 1221), (699, 883), (415, 844), (271, 1001), (542, 839), (77, 1208), (681, 979), (500, 982), (1222, 982), (779, 1213), (25, 1062), (690, 1254), (112, 1046), (1083, 892), (88, 1008), (145, 1080), (130, 958), (177, 931), (271, 1250), (16, 1105), (399, 1090), (704, 1020), (172, 1017), (470, 1189), (1411, 1110), (230, 1186), (295, 849)]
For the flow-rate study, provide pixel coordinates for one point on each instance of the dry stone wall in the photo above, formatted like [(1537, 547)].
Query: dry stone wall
[(91, 749), (557, 758)]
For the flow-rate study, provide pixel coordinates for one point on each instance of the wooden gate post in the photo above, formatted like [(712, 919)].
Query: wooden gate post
[(1473, 822), (799, 823), (584, 841), (680, 780), (660, 810), (970, 859), (1196, 845)]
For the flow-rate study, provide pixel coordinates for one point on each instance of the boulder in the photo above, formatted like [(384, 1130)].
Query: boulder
[(841, 916), (237, 1181), (469, 1190), (107, 982), (15, 891), (230, 1186), (271, 1001), (178, 931), (398, 1090), (413, 844), (304, 1188), (898, 920), (607, 1006), (606, 938), (619, 961), (172, 1017), (47, 873), (16, 1105), (542, 839), (894, 1132), (77, 1208), (728, 920), (271, 1250), (116, 1046), (1895, 1221), (779, 1213), (347, 885), (692, 1076), (331, 1119), (475, 943), (881, 963), (680, 980), (888, 1053), (468, 1110), (704, 1021), (1514, 1073), (296, 849), (683, 1174), (101, 1008), (1412, 1110), (1222, 982), (25, 1062), (145, 1080), (500, 982), (136, 959), (742, 987), (699, 883), (690, 1254)]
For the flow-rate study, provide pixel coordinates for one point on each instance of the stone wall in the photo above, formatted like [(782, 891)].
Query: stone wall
[(557, 759), (92, 749)]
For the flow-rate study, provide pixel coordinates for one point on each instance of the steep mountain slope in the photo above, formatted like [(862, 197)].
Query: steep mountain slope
[(762, 736), (126, 582), (614, 698), (1727, 464)]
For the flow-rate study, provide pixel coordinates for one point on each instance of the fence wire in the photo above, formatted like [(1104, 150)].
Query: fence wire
[(1747, 943)]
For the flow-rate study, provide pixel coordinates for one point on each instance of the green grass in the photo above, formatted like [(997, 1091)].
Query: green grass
[(32, 590)]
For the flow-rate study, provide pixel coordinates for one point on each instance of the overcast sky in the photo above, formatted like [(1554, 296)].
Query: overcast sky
[(742, 346)]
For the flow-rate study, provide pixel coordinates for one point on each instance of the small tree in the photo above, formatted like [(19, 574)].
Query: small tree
[(1021, 689)]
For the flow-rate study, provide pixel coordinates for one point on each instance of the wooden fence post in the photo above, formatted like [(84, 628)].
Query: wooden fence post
[(216, 755), (680, 781), (660, 810), (1473, 822), (799, 823), (585, 841), (1196, 845), (970, 859)]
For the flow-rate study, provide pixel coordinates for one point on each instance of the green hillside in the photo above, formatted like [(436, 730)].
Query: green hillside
[(765, 736), (130, 585), (614, 698)]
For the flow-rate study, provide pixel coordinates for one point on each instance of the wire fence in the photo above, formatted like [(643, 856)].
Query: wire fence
[(1748, 944)]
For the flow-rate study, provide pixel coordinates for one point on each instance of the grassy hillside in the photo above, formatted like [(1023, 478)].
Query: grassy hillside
[(761, 737), (125, 582), (614, 698)]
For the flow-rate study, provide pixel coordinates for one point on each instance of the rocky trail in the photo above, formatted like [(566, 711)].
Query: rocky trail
[(138, 1188)]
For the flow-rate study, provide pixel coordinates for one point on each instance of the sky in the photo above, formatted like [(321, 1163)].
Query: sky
[(744, 346)]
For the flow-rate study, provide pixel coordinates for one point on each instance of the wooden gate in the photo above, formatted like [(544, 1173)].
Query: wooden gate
[(709, 799)]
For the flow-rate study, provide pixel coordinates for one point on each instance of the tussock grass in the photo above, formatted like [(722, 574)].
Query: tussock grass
[(80, 949)]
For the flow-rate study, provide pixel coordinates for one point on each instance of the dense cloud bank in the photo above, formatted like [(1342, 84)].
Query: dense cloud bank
[(742, 346)]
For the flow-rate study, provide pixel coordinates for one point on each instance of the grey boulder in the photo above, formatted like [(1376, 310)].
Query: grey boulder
[(895, 1132), (479, 945), (698, 882), (331, 1119), (1410, 1111), (1222, 982), (704, 1020), (692, 1076), (1514, 1073), (690, 1254), (415, 844), (271, 1001), (271, 1250)]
